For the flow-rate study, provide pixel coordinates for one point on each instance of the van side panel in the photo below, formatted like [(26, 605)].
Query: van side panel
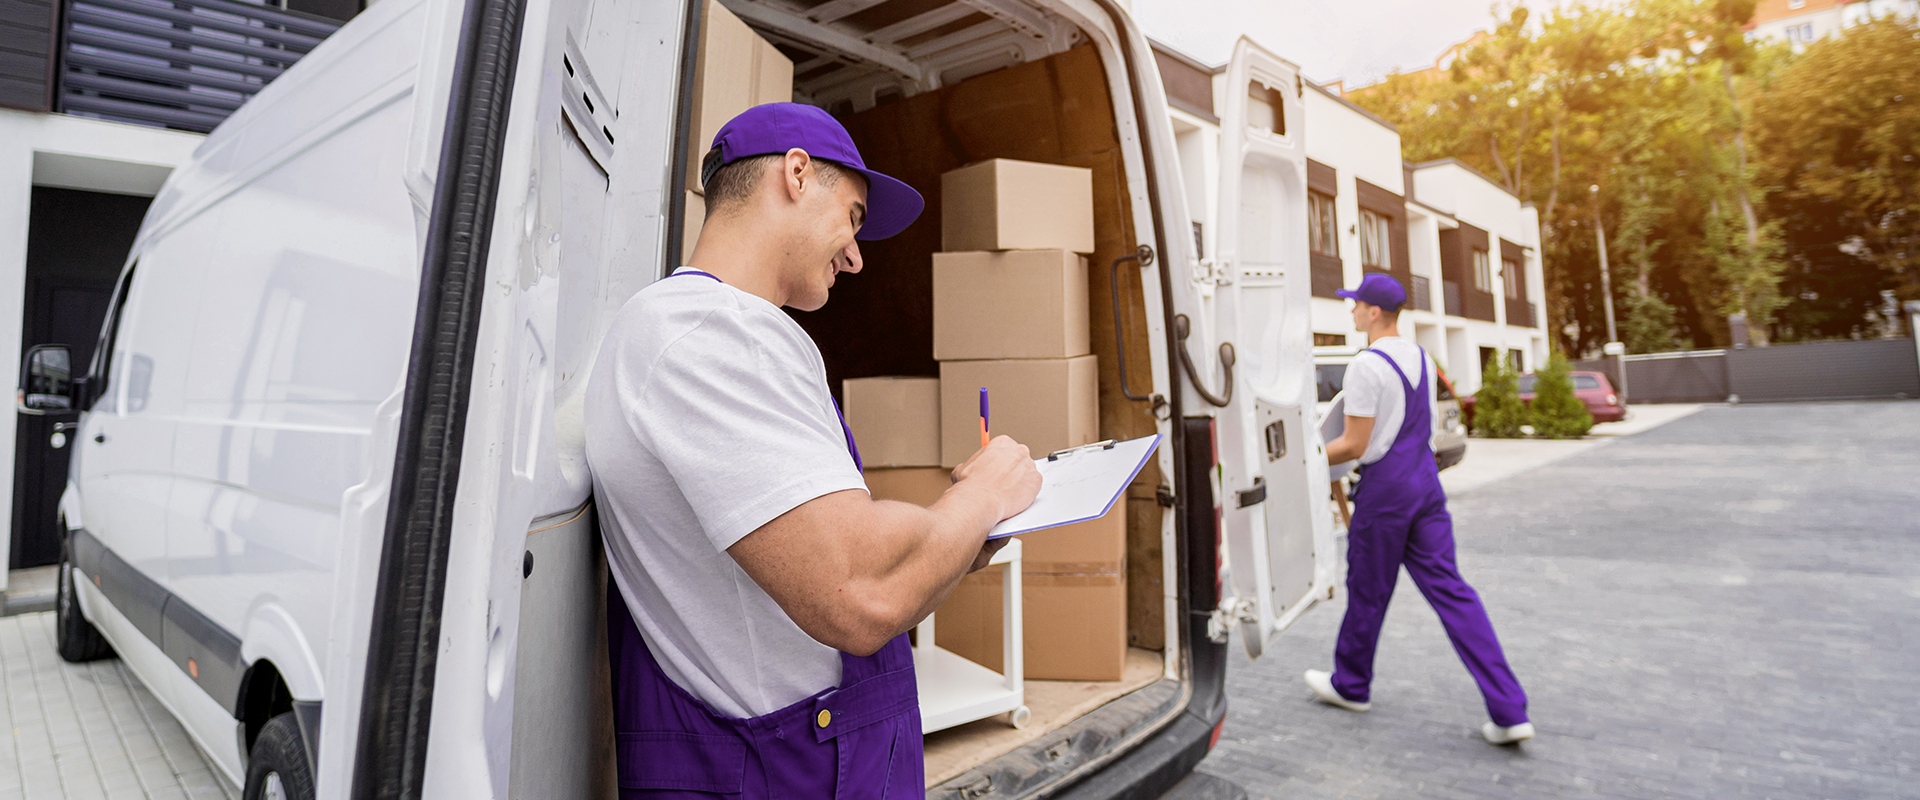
[(305, 317)]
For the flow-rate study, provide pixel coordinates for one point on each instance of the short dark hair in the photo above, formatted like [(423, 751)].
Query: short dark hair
[(733, 184)]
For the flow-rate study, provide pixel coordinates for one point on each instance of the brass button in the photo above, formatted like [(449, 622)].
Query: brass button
[(824, 718)]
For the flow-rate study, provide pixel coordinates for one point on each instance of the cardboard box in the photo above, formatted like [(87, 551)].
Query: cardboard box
[(1009, 304), (1074, 626), (895, 421), (737, 70), (1046, 404), (1090, 547), (920, 486), (1016, 205)]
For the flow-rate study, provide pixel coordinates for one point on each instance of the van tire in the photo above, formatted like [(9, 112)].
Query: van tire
[(76, 638), (279, 756)]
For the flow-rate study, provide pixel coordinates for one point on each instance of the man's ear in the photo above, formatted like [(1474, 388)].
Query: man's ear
[(796, 172)]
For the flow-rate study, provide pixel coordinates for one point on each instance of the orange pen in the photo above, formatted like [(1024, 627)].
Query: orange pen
[(983, 418)]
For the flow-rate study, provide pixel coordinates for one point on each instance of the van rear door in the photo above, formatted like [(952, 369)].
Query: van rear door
[(1275, 502)]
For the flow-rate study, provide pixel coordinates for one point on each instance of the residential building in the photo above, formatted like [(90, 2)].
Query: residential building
[(1801, 22), (1466, 249), (99, 101)]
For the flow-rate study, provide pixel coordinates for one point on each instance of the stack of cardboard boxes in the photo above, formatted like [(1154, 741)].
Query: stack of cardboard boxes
[(736, 70), (1010, 315)]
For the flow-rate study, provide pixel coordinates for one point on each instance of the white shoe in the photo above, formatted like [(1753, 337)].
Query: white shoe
[(1322, 685), (1516, 734)]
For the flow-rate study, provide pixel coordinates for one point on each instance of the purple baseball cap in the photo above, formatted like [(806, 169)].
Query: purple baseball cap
[(779, 127), (1377, 289)]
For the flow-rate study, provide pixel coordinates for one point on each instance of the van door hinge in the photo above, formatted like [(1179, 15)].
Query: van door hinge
[(1232, 611), (1253, 496), (1163, 495)]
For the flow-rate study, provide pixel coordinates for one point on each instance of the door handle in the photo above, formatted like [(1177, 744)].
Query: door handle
[(1181, 328)]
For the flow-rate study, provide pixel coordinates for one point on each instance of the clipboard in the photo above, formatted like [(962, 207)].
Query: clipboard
[(1080, 484)]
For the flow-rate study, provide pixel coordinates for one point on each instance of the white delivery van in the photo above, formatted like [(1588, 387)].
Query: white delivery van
[(329, 500)]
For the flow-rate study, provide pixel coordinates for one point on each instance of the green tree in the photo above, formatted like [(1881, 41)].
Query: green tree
[(1838, 134), (1497, 410), (1556, 412)]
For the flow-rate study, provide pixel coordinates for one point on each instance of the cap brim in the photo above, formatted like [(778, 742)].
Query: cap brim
[(891, 206), (1349, 294)]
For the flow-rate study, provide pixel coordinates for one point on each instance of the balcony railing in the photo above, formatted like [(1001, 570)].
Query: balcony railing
[(1452, 291), (1520, 313), (1422, 294), (183, 64)]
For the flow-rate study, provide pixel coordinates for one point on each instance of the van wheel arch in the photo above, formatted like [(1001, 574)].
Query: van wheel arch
[(263, 696)]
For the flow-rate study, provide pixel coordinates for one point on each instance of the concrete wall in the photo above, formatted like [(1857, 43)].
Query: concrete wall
[(72, 153), (1841, 370)]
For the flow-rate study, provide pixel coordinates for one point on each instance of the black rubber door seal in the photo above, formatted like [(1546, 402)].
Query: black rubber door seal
[(396, 709)]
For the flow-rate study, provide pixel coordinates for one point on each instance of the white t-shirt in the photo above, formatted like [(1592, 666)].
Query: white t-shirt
[(707, 416), (1373, 390)]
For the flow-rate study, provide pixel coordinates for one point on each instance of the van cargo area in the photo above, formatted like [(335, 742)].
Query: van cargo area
[(1053, 109)]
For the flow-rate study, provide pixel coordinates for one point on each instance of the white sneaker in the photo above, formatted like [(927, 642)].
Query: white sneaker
[(1516, 734), (1322, 685)]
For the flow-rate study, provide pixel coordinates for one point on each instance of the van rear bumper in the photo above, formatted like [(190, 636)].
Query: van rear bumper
[(1155, 765)]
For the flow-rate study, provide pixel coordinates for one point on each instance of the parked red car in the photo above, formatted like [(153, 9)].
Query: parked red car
[(1592, 388)]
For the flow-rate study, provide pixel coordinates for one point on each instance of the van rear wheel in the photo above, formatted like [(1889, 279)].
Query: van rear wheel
[(76, 638), (278, 768)]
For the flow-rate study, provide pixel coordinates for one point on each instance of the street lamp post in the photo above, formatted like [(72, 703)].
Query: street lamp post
[(1614, 347)]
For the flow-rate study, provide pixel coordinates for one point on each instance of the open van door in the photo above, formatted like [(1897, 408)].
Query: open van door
[(1275, 504)]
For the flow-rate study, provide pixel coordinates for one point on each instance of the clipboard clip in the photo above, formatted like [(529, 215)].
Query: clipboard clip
[(1055, 455)]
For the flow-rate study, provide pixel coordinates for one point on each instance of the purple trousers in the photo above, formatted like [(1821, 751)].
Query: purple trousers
[(1400, 519)]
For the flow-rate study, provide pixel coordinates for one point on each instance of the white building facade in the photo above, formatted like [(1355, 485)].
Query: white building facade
[(1466, 250)]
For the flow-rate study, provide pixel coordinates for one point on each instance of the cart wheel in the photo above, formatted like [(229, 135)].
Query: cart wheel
[(1020, 717)]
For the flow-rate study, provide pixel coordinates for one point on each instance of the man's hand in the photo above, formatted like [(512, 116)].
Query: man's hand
[(1353, 441), (854, 572)]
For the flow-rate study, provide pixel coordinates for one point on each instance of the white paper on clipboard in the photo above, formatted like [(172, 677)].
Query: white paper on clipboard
[(1079, 485)]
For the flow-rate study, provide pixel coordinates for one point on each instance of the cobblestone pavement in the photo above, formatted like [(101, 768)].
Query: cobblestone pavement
[(1726, 606), (88, 730)]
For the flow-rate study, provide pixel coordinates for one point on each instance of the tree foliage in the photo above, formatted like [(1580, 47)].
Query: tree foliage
[(1556, 412), (1497, 410), (1701, 144)]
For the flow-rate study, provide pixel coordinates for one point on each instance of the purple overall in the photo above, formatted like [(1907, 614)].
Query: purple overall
[(1400, 518), (858, 740)]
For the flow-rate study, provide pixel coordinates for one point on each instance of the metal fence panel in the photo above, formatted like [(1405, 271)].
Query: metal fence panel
[(1867, 368)]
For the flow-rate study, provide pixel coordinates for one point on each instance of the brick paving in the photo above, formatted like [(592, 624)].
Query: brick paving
[(86, 731), (1727, 606)]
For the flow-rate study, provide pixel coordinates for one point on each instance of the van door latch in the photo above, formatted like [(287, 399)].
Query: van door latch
[(1253, 496), (1232, 611)]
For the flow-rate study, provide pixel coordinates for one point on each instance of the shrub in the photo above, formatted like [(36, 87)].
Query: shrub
[(1556, 412), (1497, 412)]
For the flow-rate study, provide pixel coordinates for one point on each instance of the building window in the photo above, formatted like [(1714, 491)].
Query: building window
[(1373, 240), (1329, 340), (1806, 32), (1482, 271), (1796, 3), (1510, 276), (1323, 231)]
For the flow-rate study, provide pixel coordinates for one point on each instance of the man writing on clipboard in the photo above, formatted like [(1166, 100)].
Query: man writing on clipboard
[(757, 628), (1400, 518)]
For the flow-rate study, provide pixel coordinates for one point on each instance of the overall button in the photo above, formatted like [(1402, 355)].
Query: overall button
[(824, 717)]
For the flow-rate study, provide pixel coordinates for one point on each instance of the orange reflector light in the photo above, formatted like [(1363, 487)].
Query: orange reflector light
[(193, 668), (1215, 738)]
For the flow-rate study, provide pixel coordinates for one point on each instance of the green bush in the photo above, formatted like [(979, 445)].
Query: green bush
[(1497, 412), (1556, 412)]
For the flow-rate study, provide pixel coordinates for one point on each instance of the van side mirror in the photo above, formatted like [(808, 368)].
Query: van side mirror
[(46, 381)]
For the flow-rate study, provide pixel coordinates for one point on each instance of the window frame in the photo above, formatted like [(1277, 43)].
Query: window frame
[(1482, 269), (1376, 240), (1510, 282), (1323, 227)]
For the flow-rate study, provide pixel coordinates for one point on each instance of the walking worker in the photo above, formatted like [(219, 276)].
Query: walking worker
[(756, 624), (1400, 519)]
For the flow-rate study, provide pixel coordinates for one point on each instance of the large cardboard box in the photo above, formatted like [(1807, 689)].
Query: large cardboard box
[(920, 486), (1090, 547), (1004, 204), (1046, 404), (1009, 304), (1075, 626), (736, 70), (895, 421)]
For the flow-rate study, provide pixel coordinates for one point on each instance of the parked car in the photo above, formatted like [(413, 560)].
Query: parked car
[(329, 451), (1449, 431), (1592, 388)]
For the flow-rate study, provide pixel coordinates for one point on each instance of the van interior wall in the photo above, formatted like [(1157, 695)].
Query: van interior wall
[(880, 322)]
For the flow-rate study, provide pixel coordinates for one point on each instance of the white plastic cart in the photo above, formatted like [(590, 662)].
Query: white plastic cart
[(954, 690)]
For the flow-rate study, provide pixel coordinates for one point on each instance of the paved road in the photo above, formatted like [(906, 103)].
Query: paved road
[(84, 731), (1727, 606)]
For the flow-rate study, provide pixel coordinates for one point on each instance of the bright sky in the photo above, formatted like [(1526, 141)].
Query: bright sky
[(1359, 40)]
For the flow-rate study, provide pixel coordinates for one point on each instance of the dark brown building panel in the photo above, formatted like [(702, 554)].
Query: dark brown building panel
[(27, 53), (1189, 86), (1456, 267), (1519, 309), (1394, 208)]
